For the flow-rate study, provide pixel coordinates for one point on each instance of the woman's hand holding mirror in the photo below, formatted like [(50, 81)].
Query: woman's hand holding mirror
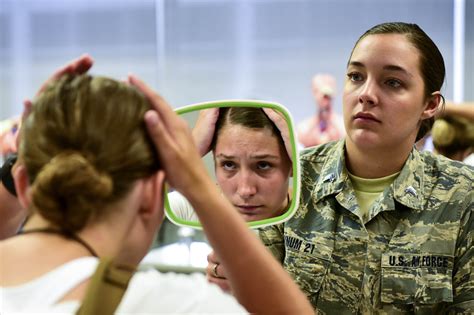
[(216, 273), (203, 131)]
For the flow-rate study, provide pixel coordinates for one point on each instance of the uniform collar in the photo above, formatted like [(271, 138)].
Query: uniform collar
[(333, 173), (407, 188)]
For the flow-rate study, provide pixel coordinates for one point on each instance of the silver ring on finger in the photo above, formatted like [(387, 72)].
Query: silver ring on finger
[(214, 270)]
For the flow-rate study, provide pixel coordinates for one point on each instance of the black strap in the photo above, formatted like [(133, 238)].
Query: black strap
[(6, 173), (64, 233)]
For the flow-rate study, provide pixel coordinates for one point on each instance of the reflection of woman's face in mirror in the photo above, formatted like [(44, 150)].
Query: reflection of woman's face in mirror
[(253, 170)]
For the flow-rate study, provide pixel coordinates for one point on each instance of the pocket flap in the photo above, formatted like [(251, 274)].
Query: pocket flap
[(307, 270), (416, 278)]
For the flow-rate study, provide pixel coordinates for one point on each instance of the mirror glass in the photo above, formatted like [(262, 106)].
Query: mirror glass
[(249, 149)]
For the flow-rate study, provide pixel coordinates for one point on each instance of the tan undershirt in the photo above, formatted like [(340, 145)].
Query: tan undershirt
[(368, 190)]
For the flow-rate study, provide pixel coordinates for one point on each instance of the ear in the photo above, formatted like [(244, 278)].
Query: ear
[(153, 197), (22, 186), (432, 105)]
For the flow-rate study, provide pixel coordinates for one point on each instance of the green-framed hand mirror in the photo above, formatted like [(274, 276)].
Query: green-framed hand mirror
[(249, 148)]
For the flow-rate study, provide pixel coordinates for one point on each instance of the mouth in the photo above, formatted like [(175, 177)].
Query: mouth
[(248, 209), (365, 117)]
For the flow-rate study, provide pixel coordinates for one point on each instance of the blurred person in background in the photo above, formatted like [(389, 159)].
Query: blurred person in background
[(326, 125), (11, 213), (8, 132), (463, 109), (453, 133)]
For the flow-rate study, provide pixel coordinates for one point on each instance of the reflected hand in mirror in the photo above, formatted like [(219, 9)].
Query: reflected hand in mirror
[(248, 150)]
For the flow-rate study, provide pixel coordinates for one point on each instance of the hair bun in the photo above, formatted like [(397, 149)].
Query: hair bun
[(443, 133), (69, 189)]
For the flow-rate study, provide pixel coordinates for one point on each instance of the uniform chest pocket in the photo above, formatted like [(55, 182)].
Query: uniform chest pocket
[(308, 270), (416, 279)]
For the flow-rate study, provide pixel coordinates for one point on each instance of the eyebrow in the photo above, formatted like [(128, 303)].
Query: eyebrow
[(386, 67), (255, 157)]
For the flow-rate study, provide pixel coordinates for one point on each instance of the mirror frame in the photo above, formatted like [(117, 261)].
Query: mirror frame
[(295, 160)]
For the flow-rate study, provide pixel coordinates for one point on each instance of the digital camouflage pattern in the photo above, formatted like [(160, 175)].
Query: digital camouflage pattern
[(413, 254)]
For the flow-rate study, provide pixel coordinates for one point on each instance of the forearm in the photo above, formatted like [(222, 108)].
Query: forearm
[(465, 110), (258, 281)]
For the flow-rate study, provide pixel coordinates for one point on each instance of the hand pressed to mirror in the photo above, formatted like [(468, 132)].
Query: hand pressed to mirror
[(252, 151)]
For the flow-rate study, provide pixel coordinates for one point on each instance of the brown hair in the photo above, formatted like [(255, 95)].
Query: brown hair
[(452, 134), (249, 117), (431, 61), (83, 145)]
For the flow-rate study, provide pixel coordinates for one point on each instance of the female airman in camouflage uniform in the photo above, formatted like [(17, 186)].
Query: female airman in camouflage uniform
[(383, 228)]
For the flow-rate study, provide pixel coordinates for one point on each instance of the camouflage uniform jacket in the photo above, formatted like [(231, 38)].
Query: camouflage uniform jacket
[(413, 254)]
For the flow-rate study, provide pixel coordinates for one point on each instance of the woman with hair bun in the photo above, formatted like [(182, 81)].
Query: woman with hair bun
[(91, 173), (453, 137)]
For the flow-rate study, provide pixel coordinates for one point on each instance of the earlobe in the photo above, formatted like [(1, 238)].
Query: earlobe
[(153, 196), (432, 105), (160, 190)]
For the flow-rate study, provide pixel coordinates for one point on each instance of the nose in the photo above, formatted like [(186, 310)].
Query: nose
[(368, 93), (325, 103), (246, 186)]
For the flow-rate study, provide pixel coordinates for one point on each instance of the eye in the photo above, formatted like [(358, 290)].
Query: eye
[(228, 165), (264, 165), (395, 83), (354, 76)]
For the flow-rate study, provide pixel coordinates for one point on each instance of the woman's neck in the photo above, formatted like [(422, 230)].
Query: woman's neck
[(95, 235), (375, 163)]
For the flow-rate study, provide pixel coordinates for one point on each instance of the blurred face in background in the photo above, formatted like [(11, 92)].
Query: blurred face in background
[(323, 88)]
